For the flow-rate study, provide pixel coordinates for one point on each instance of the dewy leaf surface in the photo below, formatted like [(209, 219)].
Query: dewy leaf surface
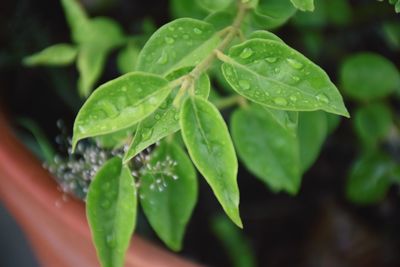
[(267, 148), (111, 212), (210, 147), (119, 104), (55, 55), (165, 120), (273, 74), (168, 197), (181, 43)]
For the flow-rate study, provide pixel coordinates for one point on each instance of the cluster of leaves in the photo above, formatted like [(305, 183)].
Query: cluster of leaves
[(278, 125), (369, 79), (396, 4)]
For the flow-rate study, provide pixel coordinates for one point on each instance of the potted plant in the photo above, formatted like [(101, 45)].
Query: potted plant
[(152, 127)]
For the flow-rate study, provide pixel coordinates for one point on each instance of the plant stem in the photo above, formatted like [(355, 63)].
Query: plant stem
[(231, 32), (230, 101)]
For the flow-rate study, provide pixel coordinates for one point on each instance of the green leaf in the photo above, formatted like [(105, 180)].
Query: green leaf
[(311, 132), (235, 242), (286, 119), (90, 65), (214, 5), (372, 123), (55, 55), (260, 34), (333, 122), (180, 43), (105, 33), (210, 147), (165, 120), (369, 179), (303, 5), (273, 13), (77, 19), (366, 76), (119, 104), (116, 139), (111, 211), (271, 73), (47, 151), (268, 149), (187, 8), (168, 196), (127, 58)]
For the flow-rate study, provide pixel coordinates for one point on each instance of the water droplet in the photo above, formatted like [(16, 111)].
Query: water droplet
[(293, 98), (296, 78), (157, 116), (197, 31), (176, 116), (109, 108), (271, 59), (146, 133), (294, 63), (171, 29), (323, 98), (169, 40), (280, 101), (245, 85), (163, 59), (123, 89), (246, 53), (277, 70)]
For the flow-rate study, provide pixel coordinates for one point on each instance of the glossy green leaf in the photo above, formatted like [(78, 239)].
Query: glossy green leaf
[(273, 13), (367, 76), (119, 104), (55, 55), (311, 131), (372, 123), (111, 211), (303, 5), (369, 179), (260, 34), (269, 150), (90, 66), (180, 43), (271, 73), (210, 147), (77, 19), (165, 120), (168, 196), (235, 242), (127, 58), (214, 5)]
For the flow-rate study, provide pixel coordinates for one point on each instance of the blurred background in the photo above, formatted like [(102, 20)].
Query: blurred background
[(328, 223)]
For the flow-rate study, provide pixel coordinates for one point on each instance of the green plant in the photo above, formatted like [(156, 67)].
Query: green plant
[(369, 79), (277, 95)]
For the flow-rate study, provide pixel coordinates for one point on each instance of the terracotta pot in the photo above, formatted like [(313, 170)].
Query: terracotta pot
[(58, 234)]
